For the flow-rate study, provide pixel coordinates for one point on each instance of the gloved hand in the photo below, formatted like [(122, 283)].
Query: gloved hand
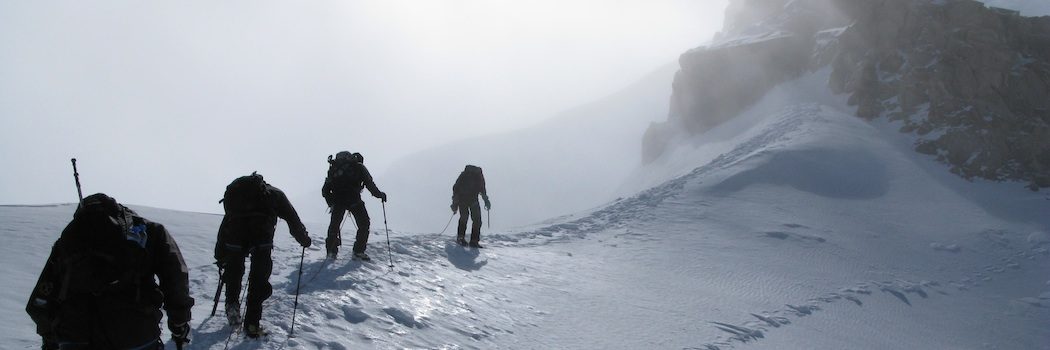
[(453, 206), (488, 205), (329, 200), (382, 195), (221, 264), (180, 333), (304, 240)]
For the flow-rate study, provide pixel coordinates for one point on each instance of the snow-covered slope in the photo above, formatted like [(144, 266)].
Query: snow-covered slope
[(808, 229)]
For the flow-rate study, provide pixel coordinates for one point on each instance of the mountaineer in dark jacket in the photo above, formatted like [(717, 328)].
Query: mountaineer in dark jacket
[(469, 185), (252, 207), (347, 176), (99, 289)]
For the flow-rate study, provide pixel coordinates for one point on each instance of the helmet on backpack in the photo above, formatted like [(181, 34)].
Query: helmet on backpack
[(342, 155), (103, 249)]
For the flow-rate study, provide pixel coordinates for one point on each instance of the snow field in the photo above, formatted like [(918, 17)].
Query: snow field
[(802, 227)]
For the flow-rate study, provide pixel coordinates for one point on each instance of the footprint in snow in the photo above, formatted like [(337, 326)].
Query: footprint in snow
[(793, 236), (952, 248), (354, 314), (897, 294), (403, 317)]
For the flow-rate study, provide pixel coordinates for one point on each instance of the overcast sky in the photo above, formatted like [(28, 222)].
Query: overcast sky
[(164, 103)]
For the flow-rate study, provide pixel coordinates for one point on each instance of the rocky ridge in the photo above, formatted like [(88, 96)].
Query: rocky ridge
[(971, 82)]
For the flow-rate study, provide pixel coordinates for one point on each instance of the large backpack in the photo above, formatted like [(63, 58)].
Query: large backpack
[(103, 250), (247, 195), (475, 178), (470, 182), (343, 172)]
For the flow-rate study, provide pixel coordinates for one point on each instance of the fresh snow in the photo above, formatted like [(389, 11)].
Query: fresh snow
[(797, 226)]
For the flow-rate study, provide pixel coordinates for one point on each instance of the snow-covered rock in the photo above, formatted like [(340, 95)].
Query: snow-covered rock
[(970, 81)]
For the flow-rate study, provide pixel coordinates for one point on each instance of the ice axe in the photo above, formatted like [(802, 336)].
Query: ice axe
[(76, 177), (218, 292)]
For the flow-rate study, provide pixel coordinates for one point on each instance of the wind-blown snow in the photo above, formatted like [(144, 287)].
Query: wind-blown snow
[(800, 227)]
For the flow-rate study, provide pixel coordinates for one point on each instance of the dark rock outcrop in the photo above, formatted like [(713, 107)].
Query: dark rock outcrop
[(972, 82)]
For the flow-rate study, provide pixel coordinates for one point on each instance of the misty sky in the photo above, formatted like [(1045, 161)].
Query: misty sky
[(164, 103)]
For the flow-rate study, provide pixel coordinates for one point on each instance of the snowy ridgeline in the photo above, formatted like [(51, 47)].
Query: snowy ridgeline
[(802, 228)]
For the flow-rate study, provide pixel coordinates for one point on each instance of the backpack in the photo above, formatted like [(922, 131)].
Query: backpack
[(103, 250), (247, 195), (343, 173), (470, 181)]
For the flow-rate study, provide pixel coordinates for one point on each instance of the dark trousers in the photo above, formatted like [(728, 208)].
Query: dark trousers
[(360, 217), (259, 288), (474, 210), (241, 238)]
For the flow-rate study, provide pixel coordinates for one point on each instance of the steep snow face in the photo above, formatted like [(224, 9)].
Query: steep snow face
[(685, 152)]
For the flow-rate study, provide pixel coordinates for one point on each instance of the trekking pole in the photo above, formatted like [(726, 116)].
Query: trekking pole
[(346, 217), (489, 213), (447, 224), (389, 253), (241, 302), (76, 177), (218, 292), (295, 306)]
